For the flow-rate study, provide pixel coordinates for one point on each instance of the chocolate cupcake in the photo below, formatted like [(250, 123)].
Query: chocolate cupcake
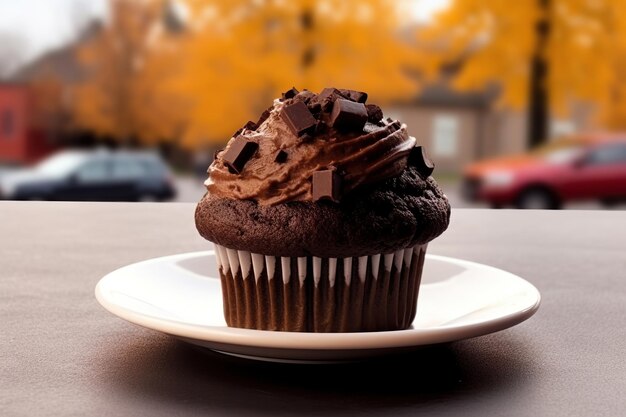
[(321, 213)]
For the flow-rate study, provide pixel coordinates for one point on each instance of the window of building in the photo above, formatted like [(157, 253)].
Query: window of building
[(7, 123), (445, 136)]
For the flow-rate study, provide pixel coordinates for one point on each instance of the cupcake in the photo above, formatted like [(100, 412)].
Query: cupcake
[(321, 213)]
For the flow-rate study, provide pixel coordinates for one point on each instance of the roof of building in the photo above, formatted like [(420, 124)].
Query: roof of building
[(61, 62), (440, 94)]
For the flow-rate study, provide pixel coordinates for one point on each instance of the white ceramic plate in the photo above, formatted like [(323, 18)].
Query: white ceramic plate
[(181, 295)]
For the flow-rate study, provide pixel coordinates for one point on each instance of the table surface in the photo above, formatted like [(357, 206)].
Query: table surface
[(61, 353)]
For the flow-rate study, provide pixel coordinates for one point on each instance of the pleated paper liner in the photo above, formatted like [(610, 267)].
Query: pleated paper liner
[(311, 294)]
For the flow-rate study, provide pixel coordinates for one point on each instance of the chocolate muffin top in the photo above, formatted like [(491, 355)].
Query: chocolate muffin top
[(323, 175)]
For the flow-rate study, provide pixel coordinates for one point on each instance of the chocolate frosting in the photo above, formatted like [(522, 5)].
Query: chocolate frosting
[(378, 152)]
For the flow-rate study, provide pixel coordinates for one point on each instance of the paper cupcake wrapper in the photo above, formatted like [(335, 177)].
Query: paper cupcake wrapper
[(366, 293)]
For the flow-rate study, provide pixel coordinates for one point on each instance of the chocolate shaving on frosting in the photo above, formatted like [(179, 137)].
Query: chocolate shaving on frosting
[(291, 93), (374, 113), (420, 160), (358, 96), (295, 143), (348, 115), (281, 156), (238, 154), (298, 118), (326, 185)]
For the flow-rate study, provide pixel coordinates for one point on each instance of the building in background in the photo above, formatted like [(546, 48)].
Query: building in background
[(458, 128), (61, 63), (21, 141), (33, 114)]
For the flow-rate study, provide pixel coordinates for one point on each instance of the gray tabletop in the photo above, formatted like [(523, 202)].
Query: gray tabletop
[(63, 354)]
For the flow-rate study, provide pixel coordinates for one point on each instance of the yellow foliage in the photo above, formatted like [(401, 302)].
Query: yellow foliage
[(238, 55), (230, 61), (495, 40), (122, 95)]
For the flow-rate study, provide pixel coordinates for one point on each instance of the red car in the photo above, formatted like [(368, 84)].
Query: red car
[(588, 167)]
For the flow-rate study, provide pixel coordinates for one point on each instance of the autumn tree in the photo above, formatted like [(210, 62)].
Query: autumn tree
[(543, 53), (126, 64), (240, 54)]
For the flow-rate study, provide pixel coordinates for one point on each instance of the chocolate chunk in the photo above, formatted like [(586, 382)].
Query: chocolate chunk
[(264, 116), (248, 126), (327, 105), (395, 125), (327, 98), (298, 118), (358, 96), (320, 127), (281, 156), (239, 153), (291, 93), (374, 113), (326, 185), (314, 107), (305, 96), (329, 92), (348, 115), (420, 160), (389, 120)]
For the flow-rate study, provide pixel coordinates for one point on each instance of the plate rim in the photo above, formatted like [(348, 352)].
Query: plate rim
[(316, 341)]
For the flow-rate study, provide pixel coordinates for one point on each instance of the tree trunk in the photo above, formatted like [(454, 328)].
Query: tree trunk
[(538, 103), (306, 22)]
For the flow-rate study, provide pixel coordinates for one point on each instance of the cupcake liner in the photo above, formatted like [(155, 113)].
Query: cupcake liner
[(312, 294)]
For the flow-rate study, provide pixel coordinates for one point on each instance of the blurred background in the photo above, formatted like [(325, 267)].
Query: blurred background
[(520, 104)]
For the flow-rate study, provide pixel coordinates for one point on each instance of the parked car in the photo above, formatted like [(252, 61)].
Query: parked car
[(585, 167), (91, 176)]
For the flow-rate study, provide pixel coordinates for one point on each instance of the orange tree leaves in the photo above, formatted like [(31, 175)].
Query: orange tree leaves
[(494, 40), (231, 60), (122, 95)]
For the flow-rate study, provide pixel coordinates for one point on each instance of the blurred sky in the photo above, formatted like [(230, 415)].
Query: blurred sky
[(45, 24)]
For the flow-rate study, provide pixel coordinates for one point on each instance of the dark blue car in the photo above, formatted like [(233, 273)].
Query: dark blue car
[(92, 176)]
